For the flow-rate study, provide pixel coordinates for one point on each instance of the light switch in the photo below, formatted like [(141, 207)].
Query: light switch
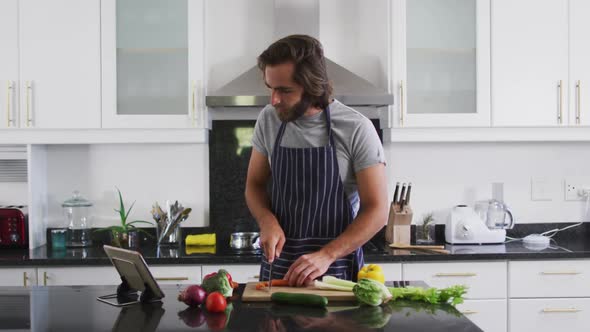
[(542, 189)]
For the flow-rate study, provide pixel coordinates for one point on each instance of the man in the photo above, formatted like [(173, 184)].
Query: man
[(325, 161)]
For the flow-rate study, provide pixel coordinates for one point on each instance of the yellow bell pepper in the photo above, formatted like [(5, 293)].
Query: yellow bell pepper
[(372, 271)]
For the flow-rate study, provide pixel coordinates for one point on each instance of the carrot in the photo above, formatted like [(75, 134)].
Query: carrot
[(275, 282)]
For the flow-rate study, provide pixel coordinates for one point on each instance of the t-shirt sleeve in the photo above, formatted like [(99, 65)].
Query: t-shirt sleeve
[(259, 139), (367, 149)]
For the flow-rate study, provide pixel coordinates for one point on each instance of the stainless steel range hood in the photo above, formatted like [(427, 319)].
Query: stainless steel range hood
[(301, 16)]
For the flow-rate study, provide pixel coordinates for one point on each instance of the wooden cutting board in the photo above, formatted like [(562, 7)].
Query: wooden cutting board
[(251, 294)]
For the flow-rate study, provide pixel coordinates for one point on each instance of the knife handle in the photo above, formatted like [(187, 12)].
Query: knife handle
[(395, 193)]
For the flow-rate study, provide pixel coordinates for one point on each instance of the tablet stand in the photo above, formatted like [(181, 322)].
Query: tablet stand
[(146, 296)]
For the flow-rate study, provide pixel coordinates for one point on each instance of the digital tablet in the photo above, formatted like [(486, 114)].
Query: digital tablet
[(136, 278)]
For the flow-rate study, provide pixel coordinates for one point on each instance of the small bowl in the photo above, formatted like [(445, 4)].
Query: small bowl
[(245, 241)]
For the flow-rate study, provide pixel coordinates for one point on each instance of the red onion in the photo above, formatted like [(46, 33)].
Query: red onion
[(193, 295)]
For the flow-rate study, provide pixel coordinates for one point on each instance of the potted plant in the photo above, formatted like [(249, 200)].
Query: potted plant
[(125, 234)]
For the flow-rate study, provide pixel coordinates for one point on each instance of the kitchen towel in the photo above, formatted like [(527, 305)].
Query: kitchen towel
[(200, 239)]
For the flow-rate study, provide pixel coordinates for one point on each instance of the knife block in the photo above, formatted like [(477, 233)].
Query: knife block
[(399, 224)]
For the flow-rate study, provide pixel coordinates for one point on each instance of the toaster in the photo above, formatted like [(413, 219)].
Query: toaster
[(14, 228)]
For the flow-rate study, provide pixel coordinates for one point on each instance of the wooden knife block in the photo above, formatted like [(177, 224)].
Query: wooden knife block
[(399, 224)]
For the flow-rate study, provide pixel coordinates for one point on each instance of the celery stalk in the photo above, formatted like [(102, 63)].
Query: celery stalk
[(338, 282), (322, 285)]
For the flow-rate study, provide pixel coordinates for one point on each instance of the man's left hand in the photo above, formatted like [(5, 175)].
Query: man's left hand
[(307, 268)]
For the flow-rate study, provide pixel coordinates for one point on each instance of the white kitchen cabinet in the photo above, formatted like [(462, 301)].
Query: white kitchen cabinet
[(25, 277), (579, 75), (177, 274), (530, 62), (485, 280), (555, 278), (59, 50), (77, 276), (241, 273), (153, 64), (549, 315), (392, 271), (8, 64), (441, 63), (488, 315)]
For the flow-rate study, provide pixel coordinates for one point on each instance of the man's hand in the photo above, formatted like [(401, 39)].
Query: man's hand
[(272, 239), (308, 267)]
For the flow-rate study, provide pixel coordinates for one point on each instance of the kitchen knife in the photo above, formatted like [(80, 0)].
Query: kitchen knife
[(395, 193), (270, 278), (402, 194), (407, 200)]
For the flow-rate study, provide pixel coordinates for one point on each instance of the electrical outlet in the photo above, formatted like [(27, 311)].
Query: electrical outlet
[(574, 186)]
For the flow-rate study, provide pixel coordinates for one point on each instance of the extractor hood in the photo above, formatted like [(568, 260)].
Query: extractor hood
[(298, 17)]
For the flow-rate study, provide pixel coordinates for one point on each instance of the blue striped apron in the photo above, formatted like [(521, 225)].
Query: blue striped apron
[(308, 199)]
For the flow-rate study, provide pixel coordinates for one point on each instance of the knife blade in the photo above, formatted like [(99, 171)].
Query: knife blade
[(270, 278)]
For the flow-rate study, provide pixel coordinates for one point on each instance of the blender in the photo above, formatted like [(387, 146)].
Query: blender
[(77, 214)]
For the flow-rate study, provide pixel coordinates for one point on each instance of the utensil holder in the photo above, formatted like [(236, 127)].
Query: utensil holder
[(399, 224), (174, 239)]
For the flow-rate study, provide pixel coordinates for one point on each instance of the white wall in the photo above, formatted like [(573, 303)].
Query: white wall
[(144, 173), (13, 193), (447, 174)]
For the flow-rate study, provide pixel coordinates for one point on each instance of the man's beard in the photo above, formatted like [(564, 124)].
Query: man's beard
[(296, 111)]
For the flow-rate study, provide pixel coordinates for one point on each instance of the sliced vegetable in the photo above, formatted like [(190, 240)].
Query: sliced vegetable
[(338, 282), (311, 300), (324, 285), (371, 292), (372, 271), (275, 282), (218, 283)]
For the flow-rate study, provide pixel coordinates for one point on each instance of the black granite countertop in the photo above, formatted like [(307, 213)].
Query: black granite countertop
[(76, 309), (573, 243)]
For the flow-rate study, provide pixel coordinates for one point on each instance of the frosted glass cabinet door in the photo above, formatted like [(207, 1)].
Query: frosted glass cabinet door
[(153, 63), (441, 62)]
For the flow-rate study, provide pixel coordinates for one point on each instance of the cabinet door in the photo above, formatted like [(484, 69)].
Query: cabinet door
[(78, 276), (549, 315), (8, 64), (579, 64), (485, 280), (242, 273), (529, 62), (152, 64), (25, 277), (176, 274), (488, 315), (392, 271), (554, 278), (441, 62), (59, 63)]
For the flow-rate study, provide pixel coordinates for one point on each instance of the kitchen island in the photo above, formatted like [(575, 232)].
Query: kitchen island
[(76, 309)]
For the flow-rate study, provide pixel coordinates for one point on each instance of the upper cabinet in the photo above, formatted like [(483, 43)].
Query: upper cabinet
[(441, 63), (153, 60), (579, 75), (8, 64), (50, 63), (530, 62)]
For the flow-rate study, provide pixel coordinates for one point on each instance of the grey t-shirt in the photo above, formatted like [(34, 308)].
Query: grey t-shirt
[(357, 143)]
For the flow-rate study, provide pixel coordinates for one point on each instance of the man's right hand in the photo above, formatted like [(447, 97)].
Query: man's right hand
[(272, 238)]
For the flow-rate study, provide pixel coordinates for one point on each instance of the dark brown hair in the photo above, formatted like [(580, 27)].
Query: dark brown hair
[(307, 54)]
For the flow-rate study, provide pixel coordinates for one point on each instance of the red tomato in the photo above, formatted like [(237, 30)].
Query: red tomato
[(216, 302)]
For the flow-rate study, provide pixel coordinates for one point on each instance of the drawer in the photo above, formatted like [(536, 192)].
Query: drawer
[(563, 278), (25, 277), (78, 276), (488, 315), (240, 273), (176, 274), (486, 280), (541, 315)]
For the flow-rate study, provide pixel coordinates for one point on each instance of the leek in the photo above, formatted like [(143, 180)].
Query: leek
[(322, 285)]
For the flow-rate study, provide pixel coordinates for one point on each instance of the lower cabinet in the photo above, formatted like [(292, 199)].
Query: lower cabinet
[(77, 276), (177, 274), (26, 277), (240, 273), (488, 315), (549, 315)]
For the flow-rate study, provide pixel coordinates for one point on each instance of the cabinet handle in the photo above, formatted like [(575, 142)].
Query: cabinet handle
[(560, 115), (401, 103), (172, 279), (560, 273), (193, 103), (45, 277), (257, 276), (459, 274), (469, 312), (25, 278), (9, 88), (28, 95), (561, 310), (578, 110)]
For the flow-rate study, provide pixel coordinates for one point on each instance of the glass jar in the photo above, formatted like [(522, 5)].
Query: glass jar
[(77, 213)]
